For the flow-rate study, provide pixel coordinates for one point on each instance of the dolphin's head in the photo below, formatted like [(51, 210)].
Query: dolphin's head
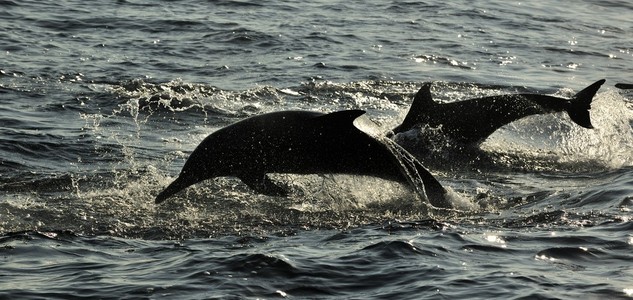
[(202, 164)]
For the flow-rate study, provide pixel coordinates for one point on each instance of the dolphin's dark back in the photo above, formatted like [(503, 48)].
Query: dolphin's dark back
[(297, 142)]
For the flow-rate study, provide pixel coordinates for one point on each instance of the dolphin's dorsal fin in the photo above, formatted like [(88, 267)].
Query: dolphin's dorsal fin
[(423, 97), (422, 102), (343, 117), (347, 119)]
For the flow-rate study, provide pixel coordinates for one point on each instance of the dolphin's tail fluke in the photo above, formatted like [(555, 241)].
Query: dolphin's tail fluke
[(413, 170), (580, 104)]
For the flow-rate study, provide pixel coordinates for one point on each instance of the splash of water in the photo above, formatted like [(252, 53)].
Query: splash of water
[(552, 142), (611, 142)]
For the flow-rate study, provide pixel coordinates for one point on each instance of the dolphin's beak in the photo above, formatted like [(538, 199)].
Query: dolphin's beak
[(179, 184)]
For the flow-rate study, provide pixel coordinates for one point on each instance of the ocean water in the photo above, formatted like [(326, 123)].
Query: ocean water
[(101, 103)]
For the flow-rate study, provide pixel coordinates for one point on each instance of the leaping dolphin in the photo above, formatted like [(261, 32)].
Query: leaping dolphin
[(301, 142), (472, 121)]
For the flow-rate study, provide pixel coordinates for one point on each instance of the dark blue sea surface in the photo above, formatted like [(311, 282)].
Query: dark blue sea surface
[(102, 102)]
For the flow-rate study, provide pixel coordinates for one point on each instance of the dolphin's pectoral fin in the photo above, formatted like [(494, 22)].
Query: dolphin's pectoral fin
[(262, 184)]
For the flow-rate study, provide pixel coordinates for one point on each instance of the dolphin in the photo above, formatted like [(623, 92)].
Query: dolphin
[(302, 142), (471, 121), (624, 86)]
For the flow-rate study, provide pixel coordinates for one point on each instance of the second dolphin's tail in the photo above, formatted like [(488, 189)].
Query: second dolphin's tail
[(580, 104)]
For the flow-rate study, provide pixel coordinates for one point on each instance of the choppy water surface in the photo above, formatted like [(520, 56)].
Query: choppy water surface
[(101, 103)]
